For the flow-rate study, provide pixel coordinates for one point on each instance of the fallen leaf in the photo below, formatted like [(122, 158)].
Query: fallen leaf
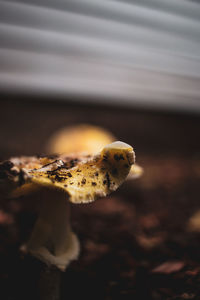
[(169, 267)]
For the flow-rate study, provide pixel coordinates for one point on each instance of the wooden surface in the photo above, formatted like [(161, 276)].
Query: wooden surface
[(136, 244)]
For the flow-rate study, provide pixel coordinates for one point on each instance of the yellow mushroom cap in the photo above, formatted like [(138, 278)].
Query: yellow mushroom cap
[(83, 177)]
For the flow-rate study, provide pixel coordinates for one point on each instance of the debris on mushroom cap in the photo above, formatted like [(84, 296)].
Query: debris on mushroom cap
[(87, 139), (80, 138), (83, 178)]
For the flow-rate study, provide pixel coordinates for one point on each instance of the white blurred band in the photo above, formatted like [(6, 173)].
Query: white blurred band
[(141, 52)]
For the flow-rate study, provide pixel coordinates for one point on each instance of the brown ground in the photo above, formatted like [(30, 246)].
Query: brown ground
[(140, 242)]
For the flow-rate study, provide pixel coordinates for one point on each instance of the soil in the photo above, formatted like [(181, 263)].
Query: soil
[(142, 242)]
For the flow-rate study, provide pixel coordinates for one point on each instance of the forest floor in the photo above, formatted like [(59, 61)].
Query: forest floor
[(143, 241)]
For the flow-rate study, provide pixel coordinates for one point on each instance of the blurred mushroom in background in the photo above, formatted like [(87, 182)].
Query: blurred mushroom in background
[(87, 139)]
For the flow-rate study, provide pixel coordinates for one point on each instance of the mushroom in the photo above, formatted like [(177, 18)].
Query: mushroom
[(76, 178), (85, 138), (79, 138)]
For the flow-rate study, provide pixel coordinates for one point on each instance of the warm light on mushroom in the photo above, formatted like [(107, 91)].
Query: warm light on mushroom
[(76, 178)]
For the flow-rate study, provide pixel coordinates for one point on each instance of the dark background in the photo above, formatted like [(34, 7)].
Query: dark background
[(135, 244)]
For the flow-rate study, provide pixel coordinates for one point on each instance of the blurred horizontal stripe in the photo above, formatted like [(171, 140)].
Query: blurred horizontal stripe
[(144, 52)]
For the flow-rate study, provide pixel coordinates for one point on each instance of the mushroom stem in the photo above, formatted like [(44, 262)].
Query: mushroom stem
[(49, 283), (52, 240)]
